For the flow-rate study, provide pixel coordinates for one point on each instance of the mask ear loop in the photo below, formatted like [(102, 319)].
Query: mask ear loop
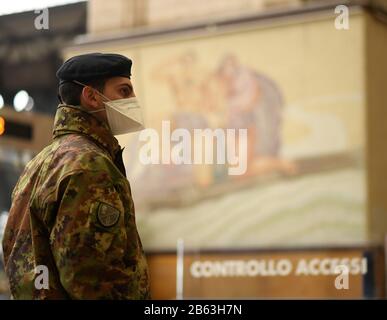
[(85, 85)]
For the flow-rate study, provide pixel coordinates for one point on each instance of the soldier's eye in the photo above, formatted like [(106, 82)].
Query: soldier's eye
[(125, 92)]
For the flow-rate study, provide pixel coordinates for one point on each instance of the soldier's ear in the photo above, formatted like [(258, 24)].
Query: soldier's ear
[(90, 97)]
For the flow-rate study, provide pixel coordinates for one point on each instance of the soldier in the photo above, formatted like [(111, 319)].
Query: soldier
[(72, 213)]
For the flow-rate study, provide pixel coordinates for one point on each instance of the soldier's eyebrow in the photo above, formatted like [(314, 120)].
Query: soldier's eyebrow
[(125, 85)]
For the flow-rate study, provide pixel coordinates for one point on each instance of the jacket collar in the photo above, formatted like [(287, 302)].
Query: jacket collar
[(75, 119)]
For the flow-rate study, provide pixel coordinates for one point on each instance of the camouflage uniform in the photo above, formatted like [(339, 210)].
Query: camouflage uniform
[(72, 211)]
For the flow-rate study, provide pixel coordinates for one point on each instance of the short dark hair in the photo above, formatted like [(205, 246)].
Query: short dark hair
[(70, 92)]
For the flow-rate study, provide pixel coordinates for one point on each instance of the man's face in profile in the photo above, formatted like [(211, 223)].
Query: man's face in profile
[(115, 88)]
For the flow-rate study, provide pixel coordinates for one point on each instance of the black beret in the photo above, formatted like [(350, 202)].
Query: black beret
[(91, 66)]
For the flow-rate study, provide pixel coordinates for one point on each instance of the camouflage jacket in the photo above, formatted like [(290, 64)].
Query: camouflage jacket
[(73, 213)]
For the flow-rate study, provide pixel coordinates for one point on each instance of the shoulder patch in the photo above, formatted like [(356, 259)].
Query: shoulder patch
[(107, 215)]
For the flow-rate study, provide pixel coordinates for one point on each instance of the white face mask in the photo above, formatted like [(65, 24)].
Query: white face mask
[(124, 115)]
